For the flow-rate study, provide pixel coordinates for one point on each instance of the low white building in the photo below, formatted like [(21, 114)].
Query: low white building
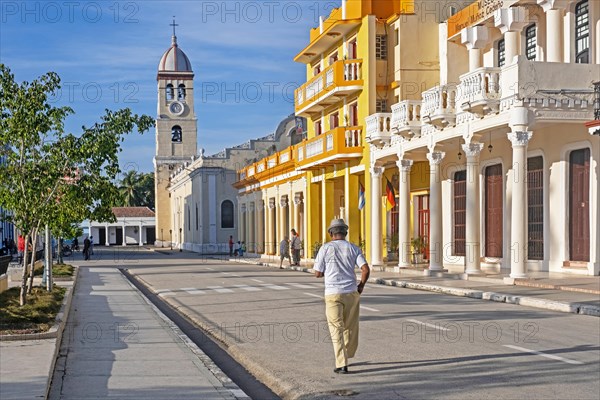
[(134, 226)]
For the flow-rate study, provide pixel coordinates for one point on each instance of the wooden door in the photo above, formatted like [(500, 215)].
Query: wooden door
[(423, 212), (493, 211), (579, 205)]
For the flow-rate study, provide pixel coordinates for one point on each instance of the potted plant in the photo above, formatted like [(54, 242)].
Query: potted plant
[(418, 249), (315, 248), (392, 246)]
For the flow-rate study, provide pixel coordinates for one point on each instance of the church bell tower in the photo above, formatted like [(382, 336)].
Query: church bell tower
[(176, 129)]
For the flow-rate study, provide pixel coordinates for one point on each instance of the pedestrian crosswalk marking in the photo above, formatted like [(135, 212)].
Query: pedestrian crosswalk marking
[(220, 289), (302, 285), (248, 288), (257, 280), (165, 293), (275, 287), (193, 291)]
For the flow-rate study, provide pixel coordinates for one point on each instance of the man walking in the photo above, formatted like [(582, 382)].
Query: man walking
[(86, 248), (296, 245), (336, 261)]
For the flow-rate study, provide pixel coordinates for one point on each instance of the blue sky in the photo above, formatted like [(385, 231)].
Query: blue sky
[(107, 53)]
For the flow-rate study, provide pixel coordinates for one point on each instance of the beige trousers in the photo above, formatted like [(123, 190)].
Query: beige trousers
[(342, 311)]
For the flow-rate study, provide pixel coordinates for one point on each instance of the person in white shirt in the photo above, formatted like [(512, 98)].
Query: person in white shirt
[(335, 262)]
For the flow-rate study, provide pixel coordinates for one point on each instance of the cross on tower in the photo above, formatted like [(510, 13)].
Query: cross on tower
[(173, 25)]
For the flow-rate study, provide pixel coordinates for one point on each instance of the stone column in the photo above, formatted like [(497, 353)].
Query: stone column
[(404, 167), (436, 251), (140, 232), (124, 234), (518, 232), (472, 225), (511, 22), (475, 38), (107, 239), (555, 12), (376, 232), (252, 228)]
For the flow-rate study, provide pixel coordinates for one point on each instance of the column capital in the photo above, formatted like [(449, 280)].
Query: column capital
[(548, 5), (520, 138), (283, 201), (298, 198), (251, 207), (475, 37), (260, 205), (272, 202), (376, 170), (243, 208), (472, 149), (436, 157), (404, 165), (512, 19)]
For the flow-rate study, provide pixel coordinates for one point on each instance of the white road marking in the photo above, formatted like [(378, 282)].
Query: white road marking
[(301, 285), (539, 353), (369, 309), (313, 295), (248, 288), (193, 291), (220, 289), (236, 275), (274, 287), (441, 328), (165, 293), (212, 269), (226, 273), (257, 280)]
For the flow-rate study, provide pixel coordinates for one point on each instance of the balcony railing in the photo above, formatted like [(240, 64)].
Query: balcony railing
[(276, 163), (338, 144), (406, 117), (379, 128), (479, 91), (341, 78), (439, 106)]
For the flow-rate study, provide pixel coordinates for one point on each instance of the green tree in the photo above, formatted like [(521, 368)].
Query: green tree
[(49, 176), (137, 189)]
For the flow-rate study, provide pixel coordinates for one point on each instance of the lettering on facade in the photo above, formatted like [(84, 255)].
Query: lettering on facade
[(473, 15)]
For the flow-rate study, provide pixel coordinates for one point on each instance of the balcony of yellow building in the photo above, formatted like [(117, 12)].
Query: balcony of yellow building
[(269, 167), (337, 145), (342, 78), (379, 128)]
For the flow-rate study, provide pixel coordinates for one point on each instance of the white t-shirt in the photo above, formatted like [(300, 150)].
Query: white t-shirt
[(336, 260)]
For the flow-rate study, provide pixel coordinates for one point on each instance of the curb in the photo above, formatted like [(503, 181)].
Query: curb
[(573, 308), (552, 305), (59, 322)]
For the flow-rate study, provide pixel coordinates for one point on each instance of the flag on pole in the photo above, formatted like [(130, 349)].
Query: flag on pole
[(361, 196), (390, 196)]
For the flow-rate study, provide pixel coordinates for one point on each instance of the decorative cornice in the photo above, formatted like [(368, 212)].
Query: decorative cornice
[(548, 5), (475, 37), (519, 138), (436, 157), (512, 19)]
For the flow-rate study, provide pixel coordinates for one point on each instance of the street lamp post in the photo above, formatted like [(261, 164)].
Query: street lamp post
[(171, 238), (162, 242), (180, 243)]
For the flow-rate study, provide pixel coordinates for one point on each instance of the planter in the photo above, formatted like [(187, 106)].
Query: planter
[(417, 258)]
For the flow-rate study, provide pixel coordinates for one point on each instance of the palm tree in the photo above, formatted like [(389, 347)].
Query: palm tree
[(130, 188), (137, 189)]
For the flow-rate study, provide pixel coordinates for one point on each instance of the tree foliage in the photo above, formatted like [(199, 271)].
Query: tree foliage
[(137, 189), (52, 177)]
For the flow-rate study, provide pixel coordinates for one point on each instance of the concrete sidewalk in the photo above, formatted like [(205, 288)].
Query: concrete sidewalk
[(115, 345), (118, 345), (576, 294)]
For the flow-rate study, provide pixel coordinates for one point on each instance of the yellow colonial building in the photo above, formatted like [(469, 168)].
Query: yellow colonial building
[(305, 186)]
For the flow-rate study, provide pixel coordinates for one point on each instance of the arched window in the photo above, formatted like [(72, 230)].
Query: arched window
[(227, 214), (582, 33), (176, 134), (169, 92), (181, 92)]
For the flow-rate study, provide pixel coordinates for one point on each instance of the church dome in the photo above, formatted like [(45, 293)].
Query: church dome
[(174, 59)]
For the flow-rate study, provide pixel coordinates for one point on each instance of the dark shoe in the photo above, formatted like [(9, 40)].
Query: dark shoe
[(341, 370)]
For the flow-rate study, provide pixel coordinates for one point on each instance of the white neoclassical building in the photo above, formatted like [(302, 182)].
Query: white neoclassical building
[(133, 226), (494, 164)]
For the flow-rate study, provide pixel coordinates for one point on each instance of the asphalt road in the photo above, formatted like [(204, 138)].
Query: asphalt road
[(413, 345)]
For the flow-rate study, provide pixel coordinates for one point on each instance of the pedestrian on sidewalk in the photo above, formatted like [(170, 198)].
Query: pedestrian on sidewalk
[(284, 251), (86, 248), (296, 245), (335, 262), (230, 245)]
